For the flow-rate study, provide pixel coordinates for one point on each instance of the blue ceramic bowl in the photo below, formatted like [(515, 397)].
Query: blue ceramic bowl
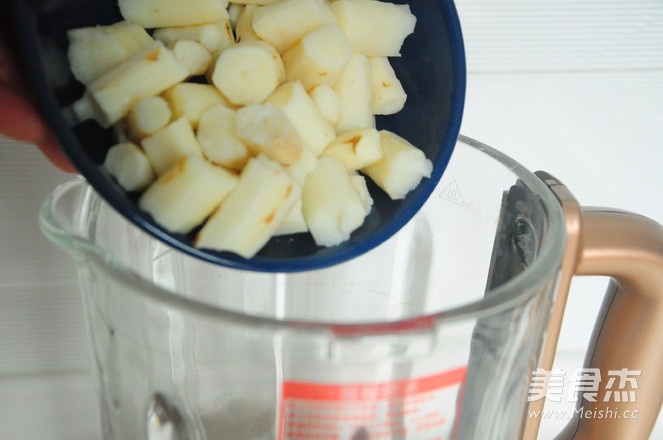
[(431, 69)]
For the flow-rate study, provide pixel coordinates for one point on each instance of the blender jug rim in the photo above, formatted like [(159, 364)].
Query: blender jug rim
[(505, 296)]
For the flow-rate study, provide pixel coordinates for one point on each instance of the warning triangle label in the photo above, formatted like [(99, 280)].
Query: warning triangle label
[(452, 193)]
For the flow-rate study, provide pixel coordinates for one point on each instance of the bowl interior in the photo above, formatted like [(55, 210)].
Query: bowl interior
[(431, 69)]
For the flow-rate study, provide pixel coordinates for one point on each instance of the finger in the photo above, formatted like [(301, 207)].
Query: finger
[(53, 153), (21, 121)]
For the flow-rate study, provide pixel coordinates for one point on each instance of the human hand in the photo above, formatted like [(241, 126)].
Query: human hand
[(19, 117)]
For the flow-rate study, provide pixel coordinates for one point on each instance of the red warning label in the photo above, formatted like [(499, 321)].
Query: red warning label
[(421, 408)]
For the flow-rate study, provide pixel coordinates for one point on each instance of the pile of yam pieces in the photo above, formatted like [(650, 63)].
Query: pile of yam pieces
[(253, 118)]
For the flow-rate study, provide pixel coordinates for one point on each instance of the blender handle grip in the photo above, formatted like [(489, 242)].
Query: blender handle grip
[(628, 333)]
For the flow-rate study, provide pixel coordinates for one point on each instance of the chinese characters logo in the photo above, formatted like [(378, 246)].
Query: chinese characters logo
[(585, 382)]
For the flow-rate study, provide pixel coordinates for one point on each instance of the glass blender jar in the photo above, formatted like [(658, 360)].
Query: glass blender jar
[(435, 334)]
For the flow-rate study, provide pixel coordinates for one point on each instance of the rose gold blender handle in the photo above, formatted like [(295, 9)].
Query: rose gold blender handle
[(628, 333), (629, 330)]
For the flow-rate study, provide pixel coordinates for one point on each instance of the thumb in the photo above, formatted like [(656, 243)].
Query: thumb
[(20, 120)]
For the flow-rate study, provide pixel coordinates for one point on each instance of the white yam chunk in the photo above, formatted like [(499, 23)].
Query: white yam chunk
[(375, 28), (163, 13), (129, 165), (85, 108), (210, 69), (147, 116), (266, 129), (313, 128), (227, 33), (253, 211), (401, 168), (244, 27), (327, 101), (93, 51), (251, 2), (248, 72), (294, 222), (218, 138), (331, 205), (234, 11), (359, 182), (168, 146), (283, 23), (388, 94), (303, 166), (318, 58), (354, 88), (191, 100), (146, 73), (207, 34), (356, 149), (187, 194), (191, 55)]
